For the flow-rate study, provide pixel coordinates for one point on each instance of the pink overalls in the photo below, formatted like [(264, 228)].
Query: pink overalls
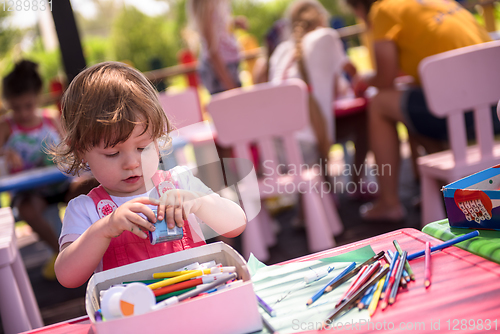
[(128, 247)]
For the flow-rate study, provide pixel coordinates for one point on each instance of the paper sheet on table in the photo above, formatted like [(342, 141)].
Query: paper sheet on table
[(284, 289)]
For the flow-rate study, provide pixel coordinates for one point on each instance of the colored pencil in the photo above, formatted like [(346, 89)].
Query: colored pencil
[(448, 243), (365, 300), (145, 281), (371, 295), (407, 264), (265, 306), (213, 270), (320, 292), (191, 274), (171, 294), (392, 278), (195, 292), (404, 282), (399, 273), (366, 276), (354, 271), (184, 285), (427, 281), (360, 274), (405, 273), (376, 296), (391, 269), (348, 304)]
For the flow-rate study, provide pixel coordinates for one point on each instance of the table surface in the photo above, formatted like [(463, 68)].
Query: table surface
[(465, 290), (31, 178), (487, 245)]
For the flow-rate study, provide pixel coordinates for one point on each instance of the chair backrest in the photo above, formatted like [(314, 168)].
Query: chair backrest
[(183, 108), (462, 80), (259, 114)]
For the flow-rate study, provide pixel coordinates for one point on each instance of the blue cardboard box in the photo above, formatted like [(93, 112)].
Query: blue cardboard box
[(474, 201)]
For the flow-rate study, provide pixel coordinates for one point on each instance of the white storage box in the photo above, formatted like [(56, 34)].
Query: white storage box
[(230, 311)]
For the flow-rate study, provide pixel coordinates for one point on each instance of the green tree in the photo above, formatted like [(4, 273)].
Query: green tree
[(140, 39), (8, 36)]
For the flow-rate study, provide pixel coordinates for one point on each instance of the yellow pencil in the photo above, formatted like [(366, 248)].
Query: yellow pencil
[(191, 274), (171, 274), (376, 296)]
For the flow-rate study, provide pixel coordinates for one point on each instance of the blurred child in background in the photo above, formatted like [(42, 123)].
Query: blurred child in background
[(25, 133)]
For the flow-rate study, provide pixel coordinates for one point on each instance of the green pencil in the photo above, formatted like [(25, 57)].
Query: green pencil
[(407, 264), (171, 294)]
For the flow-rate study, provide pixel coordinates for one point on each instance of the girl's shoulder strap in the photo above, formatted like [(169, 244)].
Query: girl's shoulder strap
[(103, 202), (164, 181)]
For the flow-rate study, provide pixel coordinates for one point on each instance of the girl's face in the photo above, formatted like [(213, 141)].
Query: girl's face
[(125, 169), (24, 109)]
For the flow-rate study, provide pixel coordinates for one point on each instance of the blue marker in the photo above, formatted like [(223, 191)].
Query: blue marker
[(333, 280), (445, 244)]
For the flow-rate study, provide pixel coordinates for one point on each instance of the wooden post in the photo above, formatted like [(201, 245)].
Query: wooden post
[(488, 14)]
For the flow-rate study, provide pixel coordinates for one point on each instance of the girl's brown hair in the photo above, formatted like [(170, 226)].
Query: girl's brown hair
[(305, 16), (104, 103)]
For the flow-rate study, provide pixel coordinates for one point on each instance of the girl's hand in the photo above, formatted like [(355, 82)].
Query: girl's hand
[(176, 205), (126, 218)]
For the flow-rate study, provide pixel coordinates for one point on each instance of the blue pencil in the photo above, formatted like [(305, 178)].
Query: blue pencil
[(405, 273), (391, 268), (367, 297), (333, 280), (445, 244)]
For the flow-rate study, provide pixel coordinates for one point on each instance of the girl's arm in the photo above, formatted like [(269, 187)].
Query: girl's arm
[(77, 260), (387, 64), (222, 215)]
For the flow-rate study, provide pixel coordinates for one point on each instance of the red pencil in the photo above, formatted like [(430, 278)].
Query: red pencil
[(364, 279), (427, 281), (184, 285), (353, 283), (384, 303)]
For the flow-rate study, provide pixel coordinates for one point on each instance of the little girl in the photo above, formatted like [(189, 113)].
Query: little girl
[(114, 125)]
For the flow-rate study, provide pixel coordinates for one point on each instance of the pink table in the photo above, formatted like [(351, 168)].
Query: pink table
[(465, 291)]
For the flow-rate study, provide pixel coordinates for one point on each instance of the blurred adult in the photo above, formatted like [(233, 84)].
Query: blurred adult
[(219, 56), (404, 33)]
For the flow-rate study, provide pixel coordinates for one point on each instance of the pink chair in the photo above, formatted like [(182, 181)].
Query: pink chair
[(18, 306), (183, 108), (260, 114), (455, 82)]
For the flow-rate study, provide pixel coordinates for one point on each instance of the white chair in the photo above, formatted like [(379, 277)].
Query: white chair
[(18, 306), (455, 82), (260, 114)]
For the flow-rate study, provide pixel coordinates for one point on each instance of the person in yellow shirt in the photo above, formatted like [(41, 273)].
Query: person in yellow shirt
[(405, 32)]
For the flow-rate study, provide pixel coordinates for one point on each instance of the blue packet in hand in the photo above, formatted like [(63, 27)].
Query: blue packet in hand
[(163, 233)]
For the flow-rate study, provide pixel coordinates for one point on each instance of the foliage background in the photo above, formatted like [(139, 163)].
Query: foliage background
[(123, 33)]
